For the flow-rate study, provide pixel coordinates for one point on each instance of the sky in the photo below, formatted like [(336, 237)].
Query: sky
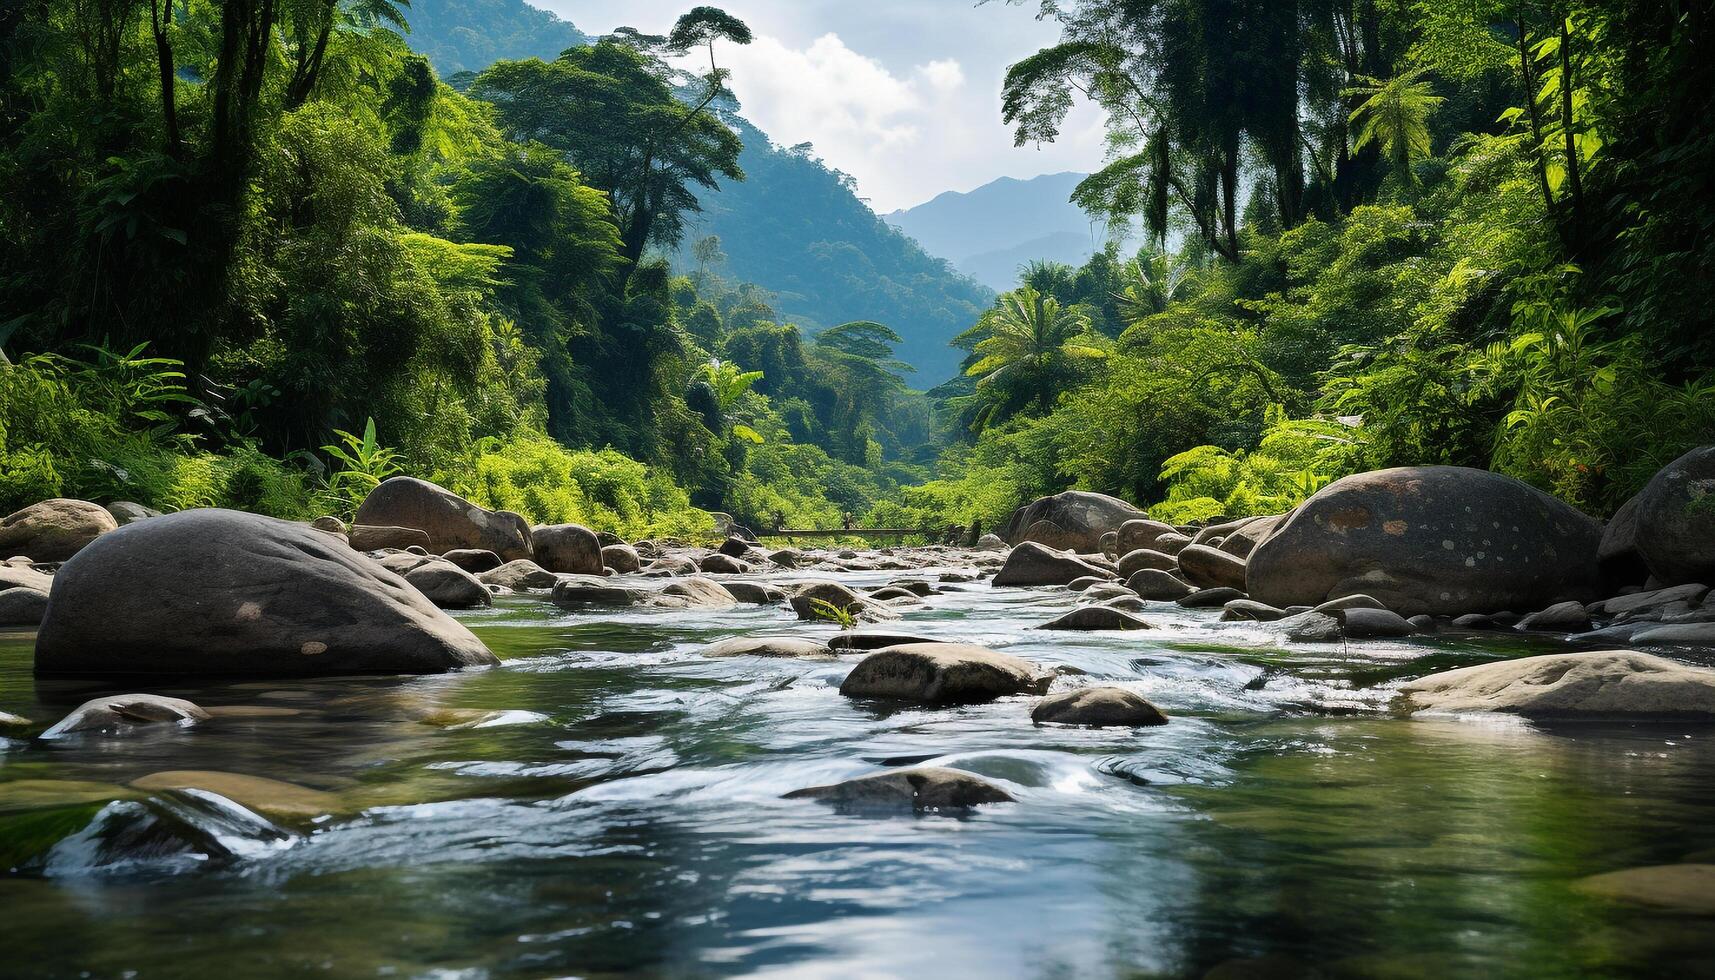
[(904, 95)]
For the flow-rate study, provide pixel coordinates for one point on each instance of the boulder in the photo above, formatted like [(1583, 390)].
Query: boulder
[(1210, 568), (1153, 583), (1141, 534), (806, 600), (1220, 595), (518, 575), (1311, 627), (573, 591), (1675, 520), (923, 788), (22, 607), (786, 557), (1368, 624), (1679, 635), (1621, 564), (1649, 605), (755, 593), (622, 558), (447, 585), (377, 537), (1111, 544), (1033, 564), (120, 714), (734, 547), (1136, 561), (1211, 535), (942, 673), (873, 641), (450, 520), (1052, 535), (1562, 617), (671, 566), (1096, 618), (1244, 539), (1172, 544), (128, 512), (54, 530), (695, 592), (1441, 540), (1086, 582), (722, 564), (1355, 601), (1125, 603), (474, 560), (991, 542), (1082, 516), (1618, 684), (25, 577), (1097, 707), (569, 548), (896, 595), (795, 647), (222, 592), (1252, 611)]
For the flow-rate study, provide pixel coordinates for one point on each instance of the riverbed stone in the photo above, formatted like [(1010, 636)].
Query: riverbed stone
[(1034, 564), (622, 558), (571, 549), (22, 607), (1097, 707), (1207, 567), (695, 592), (1161, 586), (54, 530), (1242, 540), (1361, 623), (448, 586), (1126, 603), (120, 714), (942, 673), (518, 575), (1562, 617), (1676, 520), (1250, 610), (795, 647), (1621, 684), (1136, 561), (573, 591), (720, 563), (1082, 517), (450, 520), (991, 542), (858, 640), (1683, 887), (1210, 598), (922, 788), (1677, 634), (1649, 604), (756, 593), (474, 560), (1141, 534), (212, 591), (380, 537), (1096, 618), (1442, 540)]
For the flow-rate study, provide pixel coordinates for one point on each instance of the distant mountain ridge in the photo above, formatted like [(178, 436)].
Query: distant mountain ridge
[(987, 233), (794, 227)]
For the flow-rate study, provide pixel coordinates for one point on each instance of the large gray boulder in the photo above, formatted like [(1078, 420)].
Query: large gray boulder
[(1208, 568), (569, 548), (450, 520), (1097, 707), (1604, 684), (1442, 540), (1141, 533), (22, 607), (941, 673), (1080, 516), (1622, 565), (223, 592), (53, 530), (1034, 564), (1676, 520)]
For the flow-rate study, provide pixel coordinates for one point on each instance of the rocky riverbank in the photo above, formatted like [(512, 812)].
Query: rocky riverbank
[(123, 594)]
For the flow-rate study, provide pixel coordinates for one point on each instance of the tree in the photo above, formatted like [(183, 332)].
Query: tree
[(1027, 348), (1395, 117)]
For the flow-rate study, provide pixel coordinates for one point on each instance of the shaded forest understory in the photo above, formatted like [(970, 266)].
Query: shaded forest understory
[(259, 255)]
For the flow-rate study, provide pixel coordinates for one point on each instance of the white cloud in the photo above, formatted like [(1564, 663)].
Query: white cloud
[(944, 74)]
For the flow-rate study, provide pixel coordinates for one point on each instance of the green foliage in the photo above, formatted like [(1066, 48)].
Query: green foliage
[(1294, 459), (363, 464), (838, 615)]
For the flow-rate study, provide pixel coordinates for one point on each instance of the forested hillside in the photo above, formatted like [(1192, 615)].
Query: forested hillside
[(469, 35), (262, 257)]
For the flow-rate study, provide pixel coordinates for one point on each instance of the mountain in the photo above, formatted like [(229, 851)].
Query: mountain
[(470, 35), (796, 227), (989, 232)]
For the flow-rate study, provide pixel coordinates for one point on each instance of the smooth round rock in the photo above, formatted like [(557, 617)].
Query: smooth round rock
[(1096, 618), (1097, 707), (941, 673), (118, 714), (448, 519), (54, 530), (796, 647), (923, 788)]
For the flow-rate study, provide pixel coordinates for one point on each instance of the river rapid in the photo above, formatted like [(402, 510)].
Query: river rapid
[(608, 801)]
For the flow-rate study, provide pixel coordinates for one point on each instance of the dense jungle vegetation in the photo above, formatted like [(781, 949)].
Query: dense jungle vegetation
[(257, 254)]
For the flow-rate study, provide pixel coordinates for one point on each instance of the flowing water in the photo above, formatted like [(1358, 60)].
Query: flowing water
[(608, 801)]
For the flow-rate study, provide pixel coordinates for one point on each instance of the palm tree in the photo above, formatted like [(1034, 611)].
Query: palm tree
[(1152, 282), (1026, 348), (1395, 116)]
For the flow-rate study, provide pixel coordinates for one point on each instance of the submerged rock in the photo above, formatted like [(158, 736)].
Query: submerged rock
[(119, 714), (221, 592), (924, 788), (942, 673), (1687, 887), (450, 520), (770, 646), (1097, 707), (1605, 684), (1033, 564), (1096, 618), (1442, 540), (54, 530), (269, 797)]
